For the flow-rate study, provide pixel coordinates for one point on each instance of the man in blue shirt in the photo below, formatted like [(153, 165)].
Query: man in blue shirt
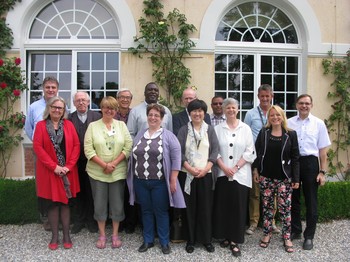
[(256, 119)]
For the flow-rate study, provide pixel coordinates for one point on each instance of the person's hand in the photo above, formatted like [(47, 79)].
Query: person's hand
[(109, 168), (194, 171), (59, 170), (228, 171), (321, 179), (172, 186), (295, 185), (255, 176)]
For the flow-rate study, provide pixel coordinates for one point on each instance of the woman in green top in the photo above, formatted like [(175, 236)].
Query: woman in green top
[(107, 146)]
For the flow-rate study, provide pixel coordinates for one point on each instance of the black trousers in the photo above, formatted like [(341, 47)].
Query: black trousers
[(309, 169)]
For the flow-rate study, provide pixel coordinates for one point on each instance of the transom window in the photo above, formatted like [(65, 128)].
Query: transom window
[(74, 19), (266, 30)]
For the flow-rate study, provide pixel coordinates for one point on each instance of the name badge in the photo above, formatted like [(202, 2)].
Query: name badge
[(111, 133)]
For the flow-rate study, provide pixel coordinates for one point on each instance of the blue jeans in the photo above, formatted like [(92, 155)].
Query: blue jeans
[(152, 195)]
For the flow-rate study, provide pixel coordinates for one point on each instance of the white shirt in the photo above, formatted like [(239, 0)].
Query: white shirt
[(312, 134), (234, 145)]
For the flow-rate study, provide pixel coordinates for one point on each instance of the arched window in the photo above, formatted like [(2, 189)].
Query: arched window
[(256, 43), (70, 32)]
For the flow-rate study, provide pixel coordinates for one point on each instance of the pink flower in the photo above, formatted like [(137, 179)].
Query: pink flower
[(1, 62), (17, 61), (16, 92), (3, 85)]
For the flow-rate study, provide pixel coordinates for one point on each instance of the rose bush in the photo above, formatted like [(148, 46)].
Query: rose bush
[(12, 84)]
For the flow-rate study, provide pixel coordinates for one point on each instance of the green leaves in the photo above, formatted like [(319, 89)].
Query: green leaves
[(338, 122), (166, 39)]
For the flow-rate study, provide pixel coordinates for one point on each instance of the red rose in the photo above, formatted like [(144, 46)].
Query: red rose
[(1, 62), (17, 61), (1, 128), (16, 92), (3, 85)]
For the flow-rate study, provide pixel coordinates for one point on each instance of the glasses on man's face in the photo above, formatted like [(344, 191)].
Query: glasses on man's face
[(81, 101), (304, 103), (59, 108), (124, 97), (217, 104)]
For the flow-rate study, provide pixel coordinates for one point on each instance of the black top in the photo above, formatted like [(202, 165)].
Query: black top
[(272, 168)]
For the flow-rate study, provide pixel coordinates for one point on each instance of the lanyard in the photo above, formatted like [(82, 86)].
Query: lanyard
[(261, 118), (198, 142)]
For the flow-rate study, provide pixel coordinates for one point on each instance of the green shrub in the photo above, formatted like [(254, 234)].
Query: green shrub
[(18, 201)]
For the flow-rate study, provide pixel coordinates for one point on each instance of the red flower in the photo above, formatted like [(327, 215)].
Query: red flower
[(1, 128), (3, 85), (1, 62), (16, 92), (17, 61)]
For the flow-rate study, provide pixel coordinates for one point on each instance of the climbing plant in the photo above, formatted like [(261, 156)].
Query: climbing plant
[(338, 122), (167, 40)]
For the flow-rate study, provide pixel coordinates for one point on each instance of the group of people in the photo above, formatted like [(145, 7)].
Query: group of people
[(190, 164)]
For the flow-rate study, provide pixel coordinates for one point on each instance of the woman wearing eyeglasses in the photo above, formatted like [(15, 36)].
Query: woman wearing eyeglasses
[(152, 180), (107, 146), (57, 147)]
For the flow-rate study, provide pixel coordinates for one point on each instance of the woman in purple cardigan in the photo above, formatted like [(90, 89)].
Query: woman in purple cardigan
[(152, 180)]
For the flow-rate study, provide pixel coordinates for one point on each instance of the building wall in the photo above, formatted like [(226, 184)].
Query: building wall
[(331, 18)]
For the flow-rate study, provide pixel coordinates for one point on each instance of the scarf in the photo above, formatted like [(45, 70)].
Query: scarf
[(194, 138), (56, 139)]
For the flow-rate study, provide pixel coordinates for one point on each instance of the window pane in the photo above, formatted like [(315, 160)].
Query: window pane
[(220, 81), (266, 64), (278, 99), (97, 81), (220, 63), (247, 101), (247, 63), (97, 61), (234, 82), (83, 61), (112, 78), (292, 83), (37, 62), (278, 84), (247, 82), (291, 100), (279, 64), (65, 81), (51, 62), (292, 64), (83, 80), (112, 61), (65, 63), (234, 63)]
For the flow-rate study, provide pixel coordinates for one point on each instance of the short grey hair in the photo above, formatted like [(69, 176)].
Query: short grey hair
[(86, 94), (229, 101), (124, 90)]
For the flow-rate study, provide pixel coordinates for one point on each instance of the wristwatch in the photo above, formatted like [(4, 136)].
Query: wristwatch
[(238, 167), (323, 171)]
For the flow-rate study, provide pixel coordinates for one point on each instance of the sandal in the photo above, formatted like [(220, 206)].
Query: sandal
[(288, 249), (236, 252), (101, 242), (265, 244), (224, 243), (116, 242)]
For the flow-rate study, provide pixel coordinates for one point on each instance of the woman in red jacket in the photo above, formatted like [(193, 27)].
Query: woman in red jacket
[(57, 147)]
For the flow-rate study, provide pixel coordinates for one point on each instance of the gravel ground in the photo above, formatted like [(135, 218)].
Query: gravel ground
[(29, 243)]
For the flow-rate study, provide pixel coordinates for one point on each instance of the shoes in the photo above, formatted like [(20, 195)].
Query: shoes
[(101, 242), (275, 229), (92, 227), (145, 246), (189, 248), (165, 249), (116, 242), (287, 248), (308, 244), (224, 243), (236, 252), (265, 244), (68, 245), (295, 236), (209, 247), (46, 226), (250, 230), (53, 246), (77, 227)]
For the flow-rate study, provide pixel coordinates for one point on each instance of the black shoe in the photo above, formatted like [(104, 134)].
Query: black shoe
[(145, 246), (165, 249), (92, 227), (295, 236), (308, 244), (209, 247), (189, 248), (77, 227), (236, 252)]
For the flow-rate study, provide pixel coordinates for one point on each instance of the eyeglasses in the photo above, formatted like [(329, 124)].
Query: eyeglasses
[(108, 108), (124, 97), (304, 103), (217, 103), (59, 108), (81, 101), (154, 115)]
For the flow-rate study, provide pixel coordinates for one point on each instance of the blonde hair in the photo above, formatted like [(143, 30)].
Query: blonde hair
[(283, 115), (109, 101)]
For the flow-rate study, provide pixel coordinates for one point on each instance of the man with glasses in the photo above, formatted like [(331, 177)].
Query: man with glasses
[(84, 208), (34, 115), (313, 141), (217, 116), (124, 98), (182, 118)]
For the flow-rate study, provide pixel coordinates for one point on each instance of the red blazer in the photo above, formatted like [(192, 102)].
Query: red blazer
[(49, 185)]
